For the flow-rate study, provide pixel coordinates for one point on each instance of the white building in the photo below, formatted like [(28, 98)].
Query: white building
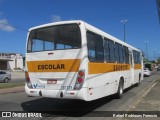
[(11, 61)]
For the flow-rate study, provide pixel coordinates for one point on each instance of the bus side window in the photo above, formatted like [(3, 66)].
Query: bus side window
[(126, 55), (121, 60), (131, 58), (134, 56), (139, 58), (117, 52), (91, 47), (107, 50), (111, 50), (95, 47), (99, 49)]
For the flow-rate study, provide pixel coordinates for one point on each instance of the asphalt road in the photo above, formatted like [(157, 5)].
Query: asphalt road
[(20, 102)]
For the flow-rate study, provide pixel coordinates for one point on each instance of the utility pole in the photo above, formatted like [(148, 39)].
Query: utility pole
[(154, 54), (124, 28), (146, 49)]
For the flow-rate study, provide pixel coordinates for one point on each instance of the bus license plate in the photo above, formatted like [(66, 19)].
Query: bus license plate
[(51, 81)]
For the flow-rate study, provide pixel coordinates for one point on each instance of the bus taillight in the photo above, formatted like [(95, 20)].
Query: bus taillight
[(79, 80), (81, 73), (27, 77), (28, 82)]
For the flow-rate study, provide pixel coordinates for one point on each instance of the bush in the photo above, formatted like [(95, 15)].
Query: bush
[(17, 68)]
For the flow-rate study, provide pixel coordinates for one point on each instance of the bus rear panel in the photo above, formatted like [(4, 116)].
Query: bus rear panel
[(54, 65)]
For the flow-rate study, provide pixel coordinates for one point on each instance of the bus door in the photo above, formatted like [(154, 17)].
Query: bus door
[(131, 62)]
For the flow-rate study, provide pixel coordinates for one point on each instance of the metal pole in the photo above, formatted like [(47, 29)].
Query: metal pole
[(154, 54), (124, 28), (124, 33), (146, 49)]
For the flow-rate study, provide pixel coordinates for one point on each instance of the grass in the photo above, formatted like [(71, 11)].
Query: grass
[(11, 85)]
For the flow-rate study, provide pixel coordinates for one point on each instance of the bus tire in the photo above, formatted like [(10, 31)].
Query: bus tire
[(119, 93), (138, 83)]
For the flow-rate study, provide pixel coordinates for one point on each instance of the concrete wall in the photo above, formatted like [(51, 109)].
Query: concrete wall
[(12, 64), (12, 60)]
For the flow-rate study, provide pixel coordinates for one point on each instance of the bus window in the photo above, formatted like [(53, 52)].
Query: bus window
[(91, 47), (126, 55), (121, 60), (117, 52), (49, 45), (37, 45), (99, 49), (95, 47), (136, 56), (54, 38), (111, 50), (107, 50), (139, 58)]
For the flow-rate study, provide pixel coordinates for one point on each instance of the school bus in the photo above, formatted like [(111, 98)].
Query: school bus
[(74, 60)]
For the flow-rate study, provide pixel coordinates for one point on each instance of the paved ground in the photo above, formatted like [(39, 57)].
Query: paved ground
[(12, 90), (151, 102)]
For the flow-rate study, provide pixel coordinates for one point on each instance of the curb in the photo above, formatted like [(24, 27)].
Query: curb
[(142, 94), (12, 90)]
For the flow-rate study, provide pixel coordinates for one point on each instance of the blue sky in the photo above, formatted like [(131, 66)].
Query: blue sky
[(16, 16)]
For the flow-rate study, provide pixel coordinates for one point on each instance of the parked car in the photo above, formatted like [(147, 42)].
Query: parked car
[(5, 77), (158, 69), (146, 72)]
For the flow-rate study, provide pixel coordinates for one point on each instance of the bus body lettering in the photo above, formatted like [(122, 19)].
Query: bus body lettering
[(50, 66)]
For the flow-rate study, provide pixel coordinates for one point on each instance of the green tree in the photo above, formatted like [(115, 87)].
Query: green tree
[(158, 61)]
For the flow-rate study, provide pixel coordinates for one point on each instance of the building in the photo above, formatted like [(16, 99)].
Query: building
[(158, 8), (11, 61)]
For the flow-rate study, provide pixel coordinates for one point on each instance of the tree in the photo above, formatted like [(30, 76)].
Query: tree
[(158, 61)]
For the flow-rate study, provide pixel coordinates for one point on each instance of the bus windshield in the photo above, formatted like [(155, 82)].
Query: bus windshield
[(57, 37)]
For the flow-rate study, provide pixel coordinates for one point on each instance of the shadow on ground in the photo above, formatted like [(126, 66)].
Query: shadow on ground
[(64, 107)]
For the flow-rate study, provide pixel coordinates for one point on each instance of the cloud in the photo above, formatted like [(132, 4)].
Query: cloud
[(5, 26), (56, 18)]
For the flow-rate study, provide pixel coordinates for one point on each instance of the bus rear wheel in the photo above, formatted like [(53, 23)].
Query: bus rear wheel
[(137, 84), (119, 93)]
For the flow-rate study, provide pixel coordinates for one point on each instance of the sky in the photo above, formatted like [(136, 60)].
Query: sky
[(17, 16)]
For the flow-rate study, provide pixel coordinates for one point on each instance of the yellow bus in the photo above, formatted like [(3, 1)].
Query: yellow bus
[(74, 60)]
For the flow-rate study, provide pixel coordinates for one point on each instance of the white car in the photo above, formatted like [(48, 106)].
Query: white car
[(5, 77), (156, 67), (146, 72)]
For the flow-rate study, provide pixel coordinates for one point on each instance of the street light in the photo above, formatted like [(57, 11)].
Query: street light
[(155, 54), (146, 49), (124, 22)]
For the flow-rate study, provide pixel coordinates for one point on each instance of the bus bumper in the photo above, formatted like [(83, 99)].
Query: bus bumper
[(62, 94)]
